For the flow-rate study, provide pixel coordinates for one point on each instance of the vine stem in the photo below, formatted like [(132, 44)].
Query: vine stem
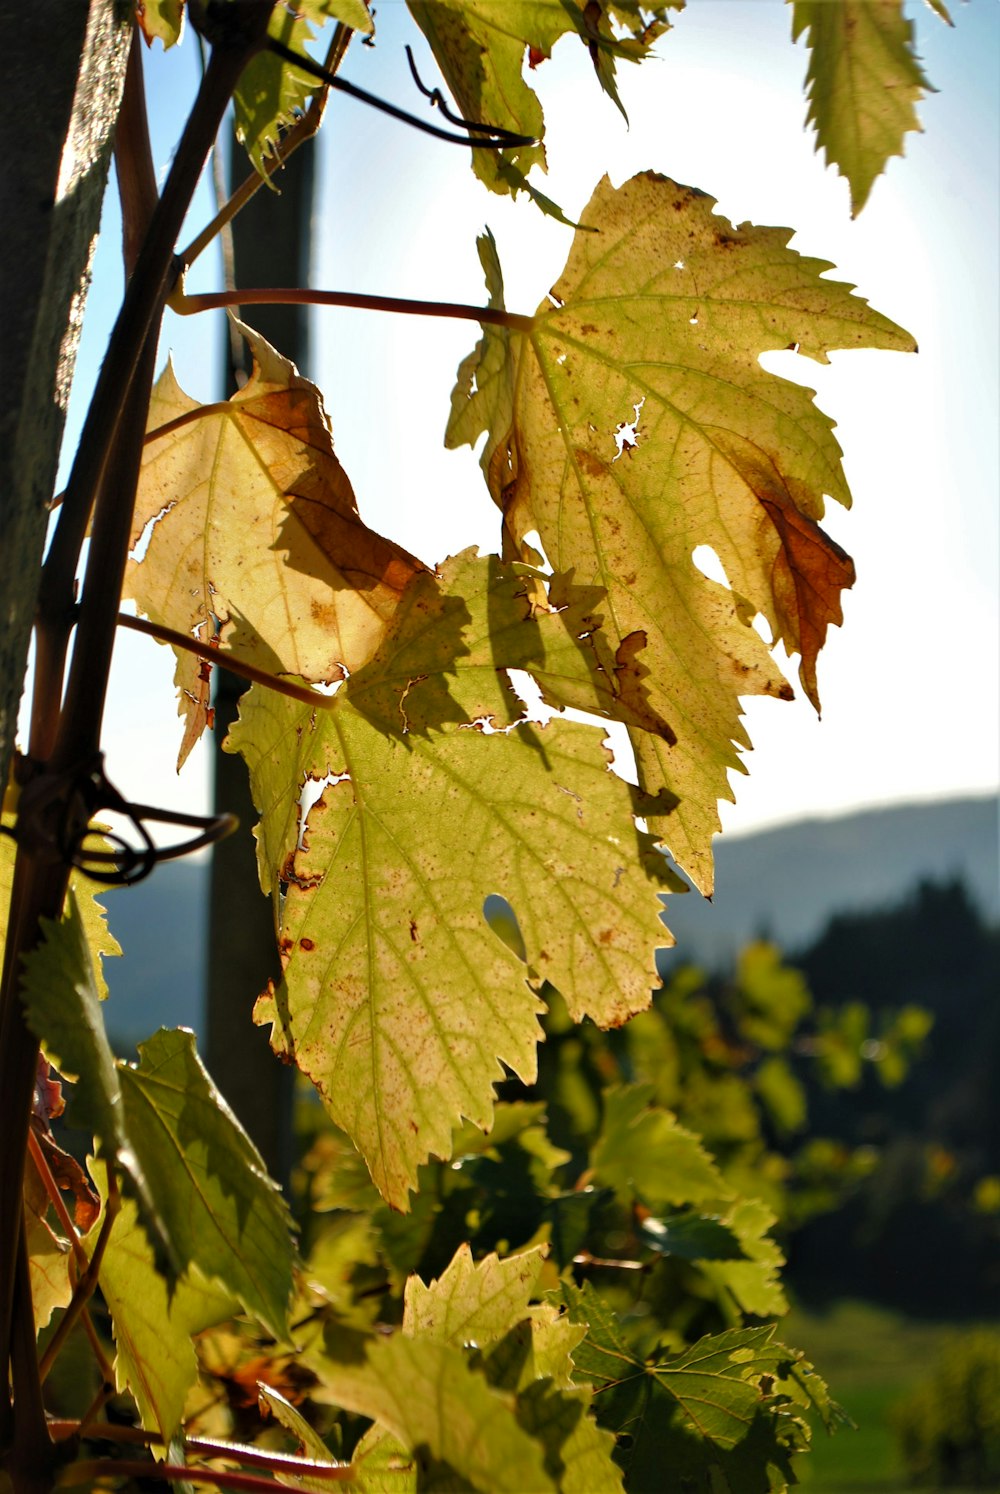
[(294, 296), (303, 129), (206, 1447), (213, 655), (61, 731), (97, 1468), (86, 1284)]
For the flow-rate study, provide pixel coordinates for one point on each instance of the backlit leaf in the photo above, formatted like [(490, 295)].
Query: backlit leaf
[(706, 1413), (634, 424), (220, 1209), (271, 92), (863, 84), (471, 1302), (398, 999), (48, 1253), (160, 18), (644, 1154), (481, 48), (428, 1398), (256, 534), (153, 1324)]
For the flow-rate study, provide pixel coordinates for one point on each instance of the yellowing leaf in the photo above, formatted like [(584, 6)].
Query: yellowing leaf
[(471, 1302), (256, 533), (863, 84), (428, 1398), (633, 424), (398, 999), (481, 47)]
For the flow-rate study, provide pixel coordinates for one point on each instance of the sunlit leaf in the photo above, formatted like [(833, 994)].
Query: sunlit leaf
[(255, 534), (471, 1302), (160, 18), (398, 999), (634, 424), (48, 1253), (272, 93), (152, 1323), (863, 84), (643, 1153), (481, 48), (428, 1398)]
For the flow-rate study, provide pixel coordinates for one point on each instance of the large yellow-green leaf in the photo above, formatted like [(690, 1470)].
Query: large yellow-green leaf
[(863, 84), (633, 423), (153, 1322), (162, 18), (398, 999), (429, 1399), (255, 530), (481, 47)]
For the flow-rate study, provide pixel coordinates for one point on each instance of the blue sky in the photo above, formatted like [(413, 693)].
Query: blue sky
[(910, 684)]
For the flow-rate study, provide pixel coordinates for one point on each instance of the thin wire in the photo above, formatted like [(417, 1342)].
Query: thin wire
[(495, 137)]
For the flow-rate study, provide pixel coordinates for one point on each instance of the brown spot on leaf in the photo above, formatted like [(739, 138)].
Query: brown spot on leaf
[(307, 944)]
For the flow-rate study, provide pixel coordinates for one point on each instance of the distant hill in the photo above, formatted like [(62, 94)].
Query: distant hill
[(785, 883)]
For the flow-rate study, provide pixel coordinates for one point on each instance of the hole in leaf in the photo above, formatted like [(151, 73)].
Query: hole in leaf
[(311, 791), (710, 565), (627, 432), (503, 921)]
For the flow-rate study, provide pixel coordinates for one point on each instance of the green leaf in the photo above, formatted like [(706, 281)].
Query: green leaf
[(204, 1195), (272, 93), (691, 1237), (481, 48), (632, 424), (162, 18), (472, 1302), (220, 1209), (152, 1324), (63, 1007), (708, 1413), (754, 1281), (643, 1153), (398, 999), (578, 1453), (863, 84), (428, 1398), (48, 1253), (310, 1443), (353, 13)]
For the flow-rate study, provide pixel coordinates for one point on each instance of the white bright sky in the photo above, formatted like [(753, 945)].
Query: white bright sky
[(910, 684)]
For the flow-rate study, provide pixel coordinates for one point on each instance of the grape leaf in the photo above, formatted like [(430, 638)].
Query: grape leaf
[(471, 1302), (708, 1413), (204, 1196), (755, 1281), (310, 1443), (257, 477), (397, 997), (863, 84), (223, 1213), (271, 92), (644, 1154), (162, 18), (429, 1399), (153, 1325), (98, 937), (633, 423), (480, 47), (578, 1453), (48, 1253), (353, 13)]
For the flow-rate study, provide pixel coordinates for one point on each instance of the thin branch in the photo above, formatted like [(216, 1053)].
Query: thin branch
[(294, 296), (98, 1468), (84, 1288), (213, 655), (303, 129), (56, 1199)]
